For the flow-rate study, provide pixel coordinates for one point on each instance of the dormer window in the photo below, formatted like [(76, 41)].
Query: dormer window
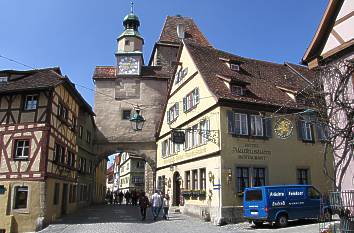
[(238, 90), (3, 80), (234, 67)]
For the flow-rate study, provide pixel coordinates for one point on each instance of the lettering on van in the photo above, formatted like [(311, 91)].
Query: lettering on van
[(295, 193), (276, 194), (278, 203)]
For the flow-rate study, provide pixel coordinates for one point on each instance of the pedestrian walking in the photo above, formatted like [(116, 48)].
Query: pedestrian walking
[(116, 197), (134, 198), (127, 197), (156, 204), (143, 204), (120, 197), (166, 206)]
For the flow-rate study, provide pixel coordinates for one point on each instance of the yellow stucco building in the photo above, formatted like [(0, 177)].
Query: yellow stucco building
[(245, 124)]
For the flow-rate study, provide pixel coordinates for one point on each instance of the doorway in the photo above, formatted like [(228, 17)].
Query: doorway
[(176, 189), (64, 200)]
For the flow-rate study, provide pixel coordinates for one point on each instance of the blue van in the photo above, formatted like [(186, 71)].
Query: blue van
[(282, 203)]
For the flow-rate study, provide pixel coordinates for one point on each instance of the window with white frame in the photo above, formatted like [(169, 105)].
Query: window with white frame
[(256, 125), (189, 139), (164, 148), (202, 174), (242, 178), (195, 135), (258, 176), (171, 147), (187, 175), (20, 197), (21, 149), (31, 102), (194, 179), (305, 131), (191, 100), (241, 124), (238, 90), (173, 113), (181, 74), (138, 179), (204, 131)]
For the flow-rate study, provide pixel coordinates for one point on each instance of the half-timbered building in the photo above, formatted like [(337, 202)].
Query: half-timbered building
[(38, 149)]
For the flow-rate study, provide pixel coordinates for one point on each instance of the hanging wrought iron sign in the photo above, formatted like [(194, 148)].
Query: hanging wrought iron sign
[(283, 128), (178, 136)]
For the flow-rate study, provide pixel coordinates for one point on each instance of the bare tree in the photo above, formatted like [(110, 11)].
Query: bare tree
[(331, 95)]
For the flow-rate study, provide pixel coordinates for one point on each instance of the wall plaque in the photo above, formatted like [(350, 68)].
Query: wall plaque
[(284, 128)]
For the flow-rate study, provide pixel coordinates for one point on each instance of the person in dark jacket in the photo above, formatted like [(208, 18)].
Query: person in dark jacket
[(143, 203), (127, 196), (120, 197)]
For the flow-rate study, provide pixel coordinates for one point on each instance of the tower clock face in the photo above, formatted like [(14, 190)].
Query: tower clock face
[(128, 65)]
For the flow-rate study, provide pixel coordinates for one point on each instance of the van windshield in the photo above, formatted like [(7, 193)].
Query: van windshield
[(254, 195)]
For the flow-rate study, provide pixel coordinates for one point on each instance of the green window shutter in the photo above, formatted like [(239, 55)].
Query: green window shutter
[(268, 127)]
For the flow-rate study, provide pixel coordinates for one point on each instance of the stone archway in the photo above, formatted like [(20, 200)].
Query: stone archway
[(145, 150), (176, 189)]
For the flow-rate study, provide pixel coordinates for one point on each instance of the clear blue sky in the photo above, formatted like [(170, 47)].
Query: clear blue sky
[(77, 35)]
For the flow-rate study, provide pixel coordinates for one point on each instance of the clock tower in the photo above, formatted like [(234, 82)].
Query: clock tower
[(130, 47)]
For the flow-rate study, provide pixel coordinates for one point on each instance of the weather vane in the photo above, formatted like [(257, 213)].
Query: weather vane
[(132, 7)]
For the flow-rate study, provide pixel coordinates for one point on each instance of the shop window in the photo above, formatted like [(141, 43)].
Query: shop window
[(20, 197), (202, 173), (302, 176), (21, 149), (258, 177), (188, 180), (195, 179), (31, 102), (242, 178)]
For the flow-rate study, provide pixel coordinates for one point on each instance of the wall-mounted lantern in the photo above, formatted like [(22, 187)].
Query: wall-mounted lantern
[(169, 183), (137, 121), (211, 177)]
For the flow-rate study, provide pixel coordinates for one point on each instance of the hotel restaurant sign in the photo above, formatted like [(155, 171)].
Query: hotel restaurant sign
[(251, 152)]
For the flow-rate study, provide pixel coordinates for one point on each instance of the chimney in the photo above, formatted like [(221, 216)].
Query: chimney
[(180, 31)]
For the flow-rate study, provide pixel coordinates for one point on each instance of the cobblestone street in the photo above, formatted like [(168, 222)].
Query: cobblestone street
[(126, 219)]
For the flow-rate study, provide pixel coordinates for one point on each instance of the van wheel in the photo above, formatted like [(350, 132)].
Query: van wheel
[(282, 221), (258, 223)]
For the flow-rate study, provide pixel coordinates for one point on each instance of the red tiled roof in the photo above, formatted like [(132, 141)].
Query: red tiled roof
[(192, 32), (30, 79), (262, 77), (108, 72)]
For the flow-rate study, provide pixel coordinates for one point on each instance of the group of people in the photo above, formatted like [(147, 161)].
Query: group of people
[(158, 201), (117, 197)]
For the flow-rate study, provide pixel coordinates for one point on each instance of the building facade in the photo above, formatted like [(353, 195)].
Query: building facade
[(131, 173), (333, 46), (38, 149), (244, 126), (86, 157)]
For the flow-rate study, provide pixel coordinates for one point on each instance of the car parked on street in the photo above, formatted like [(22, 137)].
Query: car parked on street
[(278, 204)]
